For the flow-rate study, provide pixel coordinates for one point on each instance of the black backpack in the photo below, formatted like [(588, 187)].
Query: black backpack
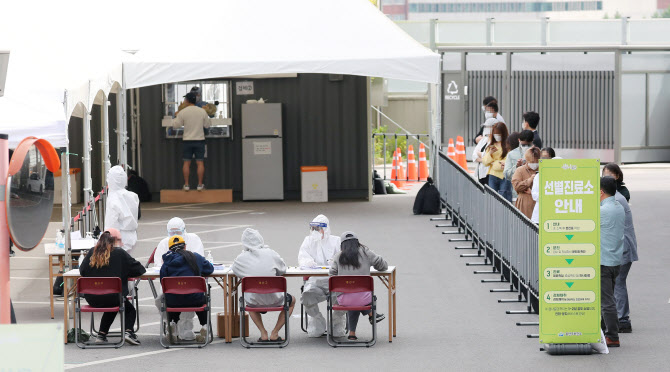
[(427, 199)]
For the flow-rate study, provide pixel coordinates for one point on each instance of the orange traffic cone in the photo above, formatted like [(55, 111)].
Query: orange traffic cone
[(460, 153), (401, 167), (394, 174), (423, 164), (397, 175), (411, 164), (451, 152)]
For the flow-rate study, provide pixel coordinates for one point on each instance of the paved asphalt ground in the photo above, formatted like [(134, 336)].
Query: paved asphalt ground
[(447, 319)]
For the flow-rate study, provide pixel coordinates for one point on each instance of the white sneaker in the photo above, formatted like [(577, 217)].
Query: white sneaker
[(186, 188), (201, 187)]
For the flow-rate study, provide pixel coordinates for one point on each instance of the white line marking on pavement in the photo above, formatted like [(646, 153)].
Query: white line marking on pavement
[(195, 217), (30, 258), (22, 277), (30, 303), (72, 366), (228, 227)]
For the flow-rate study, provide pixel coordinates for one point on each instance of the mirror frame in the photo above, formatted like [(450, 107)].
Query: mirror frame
[(51, 160)]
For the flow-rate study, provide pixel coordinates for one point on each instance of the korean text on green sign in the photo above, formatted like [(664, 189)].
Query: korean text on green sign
[(569, 251)]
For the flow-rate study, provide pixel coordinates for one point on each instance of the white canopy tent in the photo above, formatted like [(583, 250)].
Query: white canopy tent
[(210, 39)]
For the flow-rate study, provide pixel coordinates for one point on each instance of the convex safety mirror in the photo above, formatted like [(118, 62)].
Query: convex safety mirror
[(29, 194)]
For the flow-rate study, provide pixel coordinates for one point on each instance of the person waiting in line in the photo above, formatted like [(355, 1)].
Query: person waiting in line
[(612, 228), (176, 226), (494, 158), (531, 120), (488, 113), (122, 207), (513, 144), (108, 259), (523, 182), (194, 120), (318, 250), (515, 157), (482, 171), (356, 259), (613, 170), (548, 153), (629, 256), (179, 261), (257, 259)]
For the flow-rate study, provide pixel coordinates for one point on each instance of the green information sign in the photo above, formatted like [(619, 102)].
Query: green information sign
[(569, 251)]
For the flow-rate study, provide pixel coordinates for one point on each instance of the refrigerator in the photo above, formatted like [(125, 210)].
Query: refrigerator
[(262, 152)]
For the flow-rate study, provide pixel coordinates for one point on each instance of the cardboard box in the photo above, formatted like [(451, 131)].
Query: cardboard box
[(221, 325)]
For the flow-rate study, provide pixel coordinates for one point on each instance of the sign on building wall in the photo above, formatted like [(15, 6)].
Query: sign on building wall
[(243, 88), (569, 251)]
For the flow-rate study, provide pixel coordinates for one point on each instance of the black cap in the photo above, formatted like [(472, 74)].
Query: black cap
[(195, 90), (190, 96)]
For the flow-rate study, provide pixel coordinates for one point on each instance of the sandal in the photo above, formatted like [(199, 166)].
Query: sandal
[(261, 340), (278, 339), (352, 338)]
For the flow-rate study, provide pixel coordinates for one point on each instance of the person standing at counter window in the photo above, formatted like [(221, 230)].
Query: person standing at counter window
[(194, 120)]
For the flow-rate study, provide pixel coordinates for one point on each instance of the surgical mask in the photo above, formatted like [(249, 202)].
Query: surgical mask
[(524, 148), (488, 115), (498, 137), (315, 235), (533, 166)]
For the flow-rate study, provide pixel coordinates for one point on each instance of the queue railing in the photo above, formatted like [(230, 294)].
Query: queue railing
[(500, 234)]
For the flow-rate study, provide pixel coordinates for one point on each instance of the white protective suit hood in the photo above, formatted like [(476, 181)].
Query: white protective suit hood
[(176, 226), (122, 207), (315, 252), (252, 240)]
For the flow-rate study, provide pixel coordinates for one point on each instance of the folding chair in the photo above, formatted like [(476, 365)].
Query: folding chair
[(264, 285), (182, 285), (351, 284), (99, 286)]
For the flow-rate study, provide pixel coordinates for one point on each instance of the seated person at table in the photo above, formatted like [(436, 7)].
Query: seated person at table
[(356, 259), (257, 259), (317, 250), (109, 259), (181, 262), (176, 226)]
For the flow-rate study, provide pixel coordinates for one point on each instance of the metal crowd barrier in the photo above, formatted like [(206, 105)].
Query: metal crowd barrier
[(502, 236), (92, 216), (391, 139)]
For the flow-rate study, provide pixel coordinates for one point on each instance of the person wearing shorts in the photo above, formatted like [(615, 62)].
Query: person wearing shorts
[(194, 120)]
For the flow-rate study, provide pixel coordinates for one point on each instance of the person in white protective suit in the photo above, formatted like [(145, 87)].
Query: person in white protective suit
[(122, 207), (176, 226), (318, 250)]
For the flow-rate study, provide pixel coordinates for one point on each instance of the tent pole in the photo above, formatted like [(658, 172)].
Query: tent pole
[(138, 133), (5, 309), (133, 139), (105, 139), (88, 187), (122, 151)]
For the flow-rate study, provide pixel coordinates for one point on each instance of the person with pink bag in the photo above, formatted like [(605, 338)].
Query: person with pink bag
[(356, 259)]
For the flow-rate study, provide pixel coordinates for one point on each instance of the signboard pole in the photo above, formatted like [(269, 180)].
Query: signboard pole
[(5, 308), (569, 251)]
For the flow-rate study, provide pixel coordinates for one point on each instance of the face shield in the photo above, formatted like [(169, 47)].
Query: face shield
[(316, 230)]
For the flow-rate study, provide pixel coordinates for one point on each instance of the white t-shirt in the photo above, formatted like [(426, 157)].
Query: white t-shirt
[(194, 119)]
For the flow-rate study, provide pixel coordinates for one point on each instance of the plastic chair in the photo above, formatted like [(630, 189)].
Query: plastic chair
[(99, 286), (351, 284), (182, 285), (264, 285)]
